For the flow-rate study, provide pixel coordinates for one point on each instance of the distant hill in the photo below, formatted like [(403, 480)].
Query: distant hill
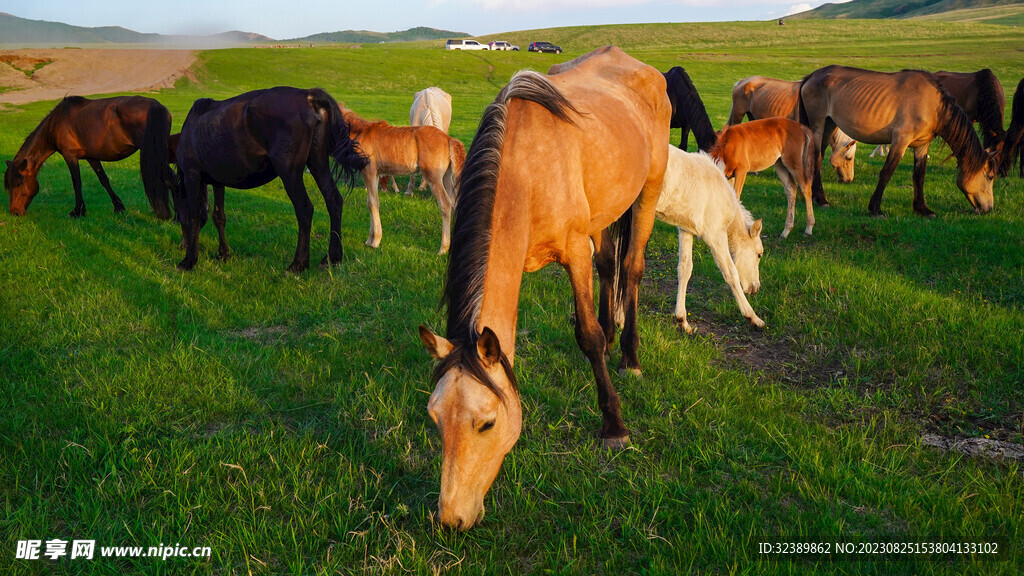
[(368, 37), (15, 30), (884, 9)]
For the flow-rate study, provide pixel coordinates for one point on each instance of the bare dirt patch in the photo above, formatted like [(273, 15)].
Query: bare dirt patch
[(50, 74)]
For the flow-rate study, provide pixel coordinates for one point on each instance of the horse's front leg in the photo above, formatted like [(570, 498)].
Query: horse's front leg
[(591, 339), (718, 243), (683, 271), (101, 175), (920, 165), (892, 160), (76, 183)]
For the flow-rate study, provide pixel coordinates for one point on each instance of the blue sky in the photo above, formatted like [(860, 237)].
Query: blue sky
[(282, 19)]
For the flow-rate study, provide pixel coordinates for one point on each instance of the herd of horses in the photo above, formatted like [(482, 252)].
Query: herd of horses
[(601, 124)]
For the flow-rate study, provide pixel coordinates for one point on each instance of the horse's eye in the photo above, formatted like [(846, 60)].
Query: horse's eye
[(487, 426)]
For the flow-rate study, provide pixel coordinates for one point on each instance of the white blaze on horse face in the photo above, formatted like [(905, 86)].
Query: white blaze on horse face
[(477, 431), (746, 254)]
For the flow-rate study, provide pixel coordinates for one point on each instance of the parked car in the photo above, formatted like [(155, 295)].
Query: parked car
[(465, 45), (545, 47), (502, 45)]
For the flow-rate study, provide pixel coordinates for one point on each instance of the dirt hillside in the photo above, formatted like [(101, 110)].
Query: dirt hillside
[(50, 74)]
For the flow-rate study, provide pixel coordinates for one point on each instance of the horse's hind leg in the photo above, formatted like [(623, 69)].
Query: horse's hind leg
[(683, 272), (296, 190), (101, 175), (604, 261), (334, 202), (219, 220), (444, 204), (76, 183), (373, 205), (920, 165), (789, 186), (591, 339), (633, 268)]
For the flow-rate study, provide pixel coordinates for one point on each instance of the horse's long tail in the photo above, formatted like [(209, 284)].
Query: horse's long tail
[(1015, 134), (456, 160), (348, 158), (158, 179), (621, 233), (817, 190)]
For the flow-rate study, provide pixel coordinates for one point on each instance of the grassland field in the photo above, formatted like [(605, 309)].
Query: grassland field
[(280, 419)]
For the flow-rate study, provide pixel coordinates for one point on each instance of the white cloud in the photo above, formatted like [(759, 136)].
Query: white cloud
[(797, 8)]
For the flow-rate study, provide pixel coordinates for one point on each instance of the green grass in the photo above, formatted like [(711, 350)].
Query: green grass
[(280, 419)]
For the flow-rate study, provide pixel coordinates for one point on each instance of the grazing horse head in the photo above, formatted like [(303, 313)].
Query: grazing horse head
[(21, 185), (746, 249), (843, 155), (475, 405), (975, 181)]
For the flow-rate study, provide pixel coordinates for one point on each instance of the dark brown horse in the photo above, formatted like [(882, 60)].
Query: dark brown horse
[(688, 112), (981, 96), (905, 109), (1015, 134), (249, 140), (101, 130)]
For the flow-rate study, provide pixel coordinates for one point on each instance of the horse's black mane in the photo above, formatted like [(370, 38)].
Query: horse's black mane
[(688, 110), (59, 111), (1015, 134), (471, 228), (957, 129)]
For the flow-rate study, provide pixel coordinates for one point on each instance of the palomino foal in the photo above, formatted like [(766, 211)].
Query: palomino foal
[(698, 200), (778, 142)]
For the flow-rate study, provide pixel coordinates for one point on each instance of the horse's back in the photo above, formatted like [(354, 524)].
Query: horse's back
[(694, 191)]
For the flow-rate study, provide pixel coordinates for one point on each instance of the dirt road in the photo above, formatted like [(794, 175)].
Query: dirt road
[(51, 74)]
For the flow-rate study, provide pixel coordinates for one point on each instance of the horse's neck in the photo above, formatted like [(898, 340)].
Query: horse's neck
[(737, 226), (503, 275), (36, 149)]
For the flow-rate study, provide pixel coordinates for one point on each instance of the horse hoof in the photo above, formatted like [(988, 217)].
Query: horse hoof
[(372, 244), (683, 325), (186, 266), (615, 443), (119, 209), (757, 322), (880, 215), (77, 213), (224, 255), (636, 372), (297, 268), (784, 235)]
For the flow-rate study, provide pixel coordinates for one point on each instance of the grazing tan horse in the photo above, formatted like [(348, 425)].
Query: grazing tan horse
[(697, 199), (556, 160), (905, 109), (759, 97), (780, 142), (401, 150), (97, 130), (981, 96)]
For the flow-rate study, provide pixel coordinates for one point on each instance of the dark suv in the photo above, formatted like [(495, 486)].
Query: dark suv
[(545, 47)]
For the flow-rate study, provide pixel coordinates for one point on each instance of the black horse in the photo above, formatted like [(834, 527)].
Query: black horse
[(688, 110), (249, 140)]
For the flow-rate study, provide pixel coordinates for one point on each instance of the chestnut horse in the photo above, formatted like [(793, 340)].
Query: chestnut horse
[(780, 142), (100, 130), (905, 109), (759, 97), (697, 199), (247, 141), (399, 150), (430, 107), (600, 125), (688, 112)]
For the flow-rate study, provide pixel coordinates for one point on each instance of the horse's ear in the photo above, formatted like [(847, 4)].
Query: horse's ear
[(436, 345), (849, 145), (488, 347), (755, 228)]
